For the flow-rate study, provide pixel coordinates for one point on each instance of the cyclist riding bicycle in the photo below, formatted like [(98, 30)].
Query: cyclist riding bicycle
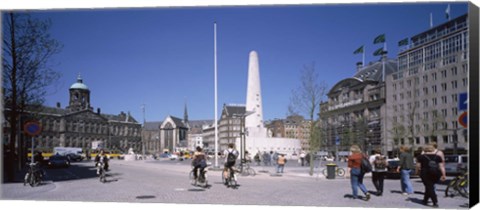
[(101, 158), (199, 162), (230, 158)]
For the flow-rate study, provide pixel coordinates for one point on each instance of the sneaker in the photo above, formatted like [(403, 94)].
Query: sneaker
[(435, 205), (367, 196), (405, 194)]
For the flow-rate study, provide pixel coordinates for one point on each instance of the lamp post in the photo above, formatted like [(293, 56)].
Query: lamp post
[(242, 135)]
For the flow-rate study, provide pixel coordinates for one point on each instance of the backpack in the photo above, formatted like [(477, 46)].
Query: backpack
[(200, 161), (365, 165), (380, 163), (231, 158), (433, 167)]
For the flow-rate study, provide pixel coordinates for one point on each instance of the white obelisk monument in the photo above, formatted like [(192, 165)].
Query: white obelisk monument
[(254, 106), (257, 139)]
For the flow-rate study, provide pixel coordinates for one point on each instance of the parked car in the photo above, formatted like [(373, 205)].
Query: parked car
[(57, 161), (456, 164), (165, 155), (392, 170), (173, 157)]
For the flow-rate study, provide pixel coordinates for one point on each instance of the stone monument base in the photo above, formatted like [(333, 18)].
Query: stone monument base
[(130, 157)]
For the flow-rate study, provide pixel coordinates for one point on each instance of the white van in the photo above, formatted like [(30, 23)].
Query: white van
[(456, 164)]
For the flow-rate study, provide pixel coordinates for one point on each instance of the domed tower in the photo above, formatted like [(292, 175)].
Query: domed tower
[(79, 96)]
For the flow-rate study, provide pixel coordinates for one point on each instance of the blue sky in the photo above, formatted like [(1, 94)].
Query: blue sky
[(163, 57)]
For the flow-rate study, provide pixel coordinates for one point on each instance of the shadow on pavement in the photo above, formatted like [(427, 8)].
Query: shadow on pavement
[(145, 197), (350, 196), (417, 201)]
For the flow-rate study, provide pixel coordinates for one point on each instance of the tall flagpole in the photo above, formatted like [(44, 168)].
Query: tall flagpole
[(431, 20), (215, 70), (363, 57)]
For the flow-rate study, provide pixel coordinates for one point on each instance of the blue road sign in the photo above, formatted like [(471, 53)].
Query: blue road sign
[(462, 101), (337, 140), (32, 128)]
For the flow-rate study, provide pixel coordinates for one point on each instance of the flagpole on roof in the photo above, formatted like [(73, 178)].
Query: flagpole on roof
[(431, 20), (363, 57), (447, 12)]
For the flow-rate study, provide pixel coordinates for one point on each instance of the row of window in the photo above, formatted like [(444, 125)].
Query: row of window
[(425, 78), (454, 112), (446, 139), (434, 90), (426, 104)]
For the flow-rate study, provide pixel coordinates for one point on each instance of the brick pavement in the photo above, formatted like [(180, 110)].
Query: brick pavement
[(167, 182)]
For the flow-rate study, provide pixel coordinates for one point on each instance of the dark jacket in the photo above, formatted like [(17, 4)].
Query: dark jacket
[(406, 161)]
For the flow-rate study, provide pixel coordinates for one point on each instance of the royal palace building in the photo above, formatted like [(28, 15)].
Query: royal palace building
[(78, 125)]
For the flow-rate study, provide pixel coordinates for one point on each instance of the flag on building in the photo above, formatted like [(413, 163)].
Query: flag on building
[(359, 50), (379, 39), (447, 12), (403, 42), (378, 52)]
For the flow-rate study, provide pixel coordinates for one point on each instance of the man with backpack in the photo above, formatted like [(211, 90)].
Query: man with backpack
[(231, 155), (379, 163)]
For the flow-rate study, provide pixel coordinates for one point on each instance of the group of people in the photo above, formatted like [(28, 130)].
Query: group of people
[(430, 165), (199, 161)]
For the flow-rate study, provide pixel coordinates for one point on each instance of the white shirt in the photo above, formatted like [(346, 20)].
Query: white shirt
[(372, 160)]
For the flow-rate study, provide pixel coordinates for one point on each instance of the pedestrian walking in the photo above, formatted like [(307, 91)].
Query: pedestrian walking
[(266, 159), (274, 156), (356, 174), (379, 171), (302, 158), (405, 167), (257, 158), (281, 163), (432, 169)]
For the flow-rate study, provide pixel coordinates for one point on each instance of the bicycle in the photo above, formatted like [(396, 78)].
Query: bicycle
[(458, 186), (338, 171), (246, 170), (101, 172), (201, 180), (229, 178), (33, 176)]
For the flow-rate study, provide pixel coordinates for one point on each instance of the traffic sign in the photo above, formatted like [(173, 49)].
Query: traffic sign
[(462, 101), (32, 128), (337, 140), (463, 119)]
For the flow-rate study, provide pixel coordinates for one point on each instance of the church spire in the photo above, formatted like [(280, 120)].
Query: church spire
[(185, 114)]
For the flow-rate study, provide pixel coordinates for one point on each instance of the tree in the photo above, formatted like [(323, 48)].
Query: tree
[(306, 99), (398, 132), (27, 48)]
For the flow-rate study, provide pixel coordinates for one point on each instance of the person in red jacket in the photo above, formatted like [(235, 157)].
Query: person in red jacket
[(356, 175)]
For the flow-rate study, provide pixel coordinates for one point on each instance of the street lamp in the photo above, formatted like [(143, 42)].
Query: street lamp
[(242, 135)]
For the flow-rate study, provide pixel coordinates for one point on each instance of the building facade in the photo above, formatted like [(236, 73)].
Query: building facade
[(423, 96), (293, 127), (173, 135), (355, 110), (229, 125), (78, 125)]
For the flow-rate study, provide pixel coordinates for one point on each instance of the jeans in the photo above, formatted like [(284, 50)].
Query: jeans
[(377, 179), (405, 181), (356, 179), (280, 168)]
